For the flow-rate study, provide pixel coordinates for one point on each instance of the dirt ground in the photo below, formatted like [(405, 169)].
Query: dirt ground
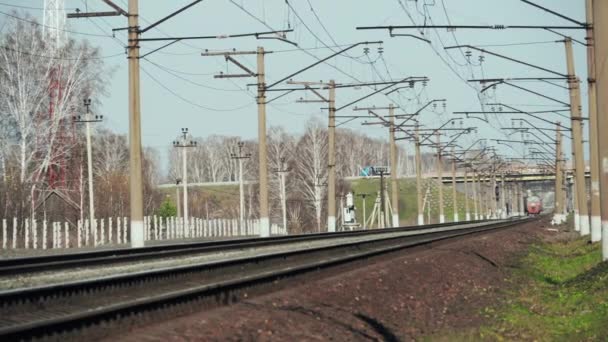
[(401, 297)]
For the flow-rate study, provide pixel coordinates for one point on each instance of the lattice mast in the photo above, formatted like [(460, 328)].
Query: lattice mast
[(54, 22), (54, 30)]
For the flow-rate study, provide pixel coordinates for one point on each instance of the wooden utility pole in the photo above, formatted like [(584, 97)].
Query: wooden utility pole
[(440, 178), (419, 200), (600, 15), (558, 215), (394, 175), (596, 219), (135, 151), (582, 216), (331, 165), (454, 199)]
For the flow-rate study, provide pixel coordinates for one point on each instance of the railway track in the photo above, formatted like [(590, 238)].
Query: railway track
[(14, 266), (65, 310)]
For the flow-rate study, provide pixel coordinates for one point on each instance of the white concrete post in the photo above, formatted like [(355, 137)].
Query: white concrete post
[(102, 237), (118, 230), (87, 232), (14, 232), (94, 229), (66, 229), (27, 234), (44, 233), (78, 233), (3, 233), (110, 230), (53, 235), (125, 237), (34, 234)]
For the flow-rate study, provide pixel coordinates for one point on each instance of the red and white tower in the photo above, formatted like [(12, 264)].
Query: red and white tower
[(54, 30)]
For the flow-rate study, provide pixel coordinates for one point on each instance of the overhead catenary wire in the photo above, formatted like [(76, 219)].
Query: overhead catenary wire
[(175, 94)]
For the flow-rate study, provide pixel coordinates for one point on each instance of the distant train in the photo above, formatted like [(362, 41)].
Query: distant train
[(534, 205)]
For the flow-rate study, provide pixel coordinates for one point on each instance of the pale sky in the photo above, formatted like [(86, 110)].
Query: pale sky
[(189, 96)]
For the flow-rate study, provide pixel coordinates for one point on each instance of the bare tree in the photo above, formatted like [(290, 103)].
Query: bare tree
[(311, 162)]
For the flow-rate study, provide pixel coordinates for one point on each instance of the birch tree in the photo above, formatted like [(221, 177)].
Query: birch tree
[(311, 161)]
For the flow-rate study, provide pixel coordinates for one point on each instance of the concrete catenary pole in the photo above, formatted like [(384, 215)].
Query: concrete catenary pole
[(475, 202), (241, 196), (185, 187), (558, 216), (577, 137), (331, 165), (262, 149), (394, 175), (492, 194), (503, 198), (179, 209), (440, 178), (467, 212), (520, 192), (90, 175), (419, 178), (600, 15), (87, 119), (240, 156), (184, 144), (596, 219), (282, 170), (454, 198), (135, 152)]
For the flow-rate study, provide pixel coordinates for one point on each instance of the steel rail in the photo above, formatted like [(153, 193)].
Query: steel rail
[(232, 280), (44, 263)]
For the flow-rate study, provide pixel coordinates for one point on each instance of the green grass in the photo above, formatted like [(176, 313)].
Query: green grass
[(561, 295)]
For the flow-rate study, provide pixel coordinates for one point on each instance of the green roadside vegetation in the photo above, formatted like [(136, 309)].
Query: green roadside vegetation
[(559, 293)]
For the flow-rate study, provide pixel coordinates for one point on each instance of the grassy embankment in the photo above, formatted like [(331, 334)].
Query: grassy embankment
[(227, 196), (407, 200)]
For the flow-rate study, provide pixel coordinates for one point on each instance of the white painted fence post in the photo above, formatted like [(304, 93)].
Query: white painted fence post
[(93, 226), (87, 232), (3, 233), (44, 234), (125, 223), (155, 227), (118, 230), (110, 230), (102, 232), (14, 232), (66, 230), (53, 235), (78, 233), (34, 227)]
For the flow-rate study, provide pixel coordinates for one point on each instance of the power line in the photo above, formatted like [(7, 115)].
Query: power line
[(188, 80), (60, 58), (53, 28), (172, 92), (35, 8)]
